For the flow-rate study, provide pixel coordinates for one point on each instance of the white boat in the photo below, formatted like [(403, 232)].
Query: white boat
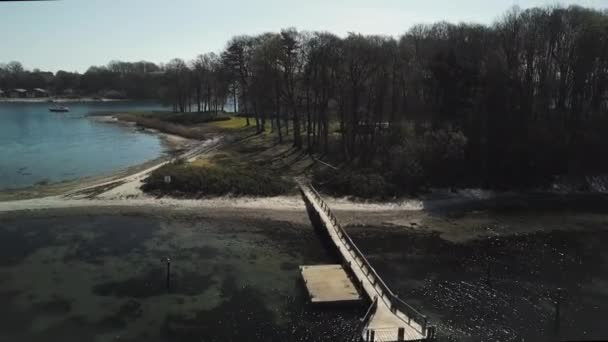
[(59, 109)]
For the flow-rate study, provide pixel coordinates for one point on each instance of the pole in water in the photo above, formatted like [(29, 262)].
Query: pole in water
[(489, 260), (488, 274), (168, 273), (558, 299)]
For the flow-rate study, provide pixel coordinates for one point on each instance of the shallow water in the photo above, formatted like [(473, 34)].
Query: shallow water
[(502, 286), (39, 146), (99, 278)]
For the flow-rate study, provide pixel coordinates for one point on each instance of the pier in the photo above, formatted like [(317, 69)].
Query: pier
[(388, 319)]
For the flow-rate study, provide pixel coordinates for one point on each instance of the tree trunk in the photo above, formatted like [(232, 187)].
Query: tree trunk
[(308, 123), (255, 114), (297, 137), (278, 118), (198, 98), (245, 107), (325, 131), (234, 100)]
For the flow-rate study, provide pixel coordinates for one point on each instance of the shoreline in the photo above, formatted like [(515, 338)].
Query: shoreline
[(172, 142), (121, 189), (172, 145), (456, 225), (58, 188)]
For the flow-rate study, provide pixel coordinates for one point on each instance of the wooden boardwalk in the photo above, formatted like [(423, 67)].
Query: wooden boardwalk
[(389, 318)]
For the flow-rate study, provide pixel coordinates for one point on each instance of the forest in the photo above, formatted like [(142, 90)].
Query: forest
[(138, 80), (513, 104)]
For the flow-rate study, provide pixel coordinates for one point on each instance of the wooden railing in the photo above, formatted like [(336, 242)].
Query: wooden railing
[(368, 315), (392, 300)]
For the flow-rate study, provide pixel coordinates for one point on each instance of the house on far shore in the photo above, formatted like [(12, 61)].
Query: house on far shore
[(2, 94), (19, 92), (39, 92), (114, 94), (69, 93)]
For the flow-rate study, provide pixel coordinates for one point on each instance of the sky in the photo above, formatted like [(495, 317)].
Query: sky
[(75, 34)]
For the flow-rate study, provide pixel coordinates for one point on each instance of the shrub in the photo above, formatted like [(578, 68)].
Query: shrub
[(369, 185), (410, 165), (219, 178), (435, 158), (406, 168), (443, 159), (194, 118), (364, 184)]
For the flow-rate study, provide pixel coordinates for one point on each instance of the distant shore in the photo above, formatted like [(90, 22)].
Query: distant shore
[(58, 100)]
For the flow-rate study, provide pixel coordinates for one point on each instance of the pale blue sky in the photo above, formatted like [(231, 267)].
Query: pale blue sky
[(74, 34)]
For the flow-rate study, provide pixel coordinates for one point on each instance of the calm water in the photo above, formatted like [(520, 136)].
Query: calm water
[(39, 146)]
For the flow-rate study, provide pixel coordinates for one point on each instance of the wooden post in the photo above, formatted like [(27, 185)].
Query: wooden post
[(372, 336), (430, 333), (401, 334), (558, 299), (168, 273), (488, 274)]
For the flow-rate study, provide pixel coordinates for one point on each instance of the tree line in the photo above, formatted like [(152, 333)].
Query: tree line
[(138, 80), (513, 103)]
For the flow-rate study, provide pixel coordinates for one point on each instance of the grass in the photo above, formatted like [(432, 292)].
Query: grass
[(248, 163), (216, 176), (253, 156), (231, 124), (203, 162), (187, 125), (264, 149), (157, 123), (194, 118)]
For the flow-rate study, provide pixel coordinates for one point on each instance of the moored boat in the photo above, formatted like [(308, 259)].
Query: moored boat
[(59, 109)]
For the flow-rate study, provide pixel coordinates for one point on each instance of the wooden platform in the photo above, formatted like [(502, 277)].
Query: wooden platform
[(389, 319), (329, 284)]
